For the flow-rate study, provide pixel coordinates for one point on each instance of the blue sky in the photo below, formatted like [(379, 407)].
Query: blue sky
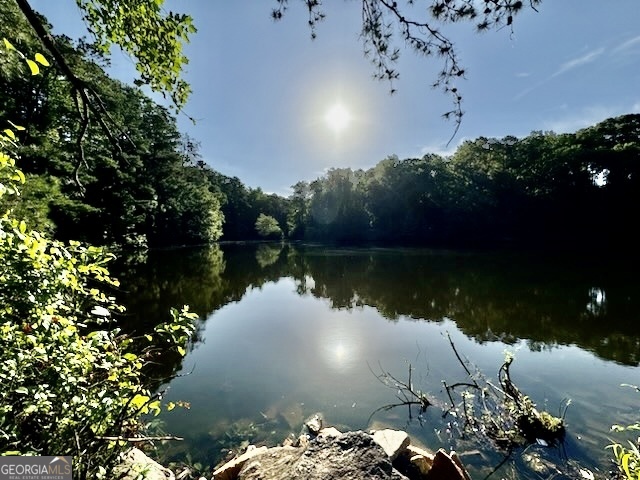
[(261, 90)]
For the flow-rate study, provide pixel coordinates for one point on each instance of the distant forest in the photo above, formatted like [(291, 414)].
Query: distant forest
[(153, 189)]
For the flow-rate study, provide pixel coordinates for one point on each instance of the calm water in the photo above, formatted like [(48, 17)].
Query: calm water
[(290, 331)]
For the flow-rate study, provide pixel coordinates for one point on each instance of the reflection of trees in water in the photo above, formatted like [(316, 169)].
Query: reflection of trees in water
[(268, 254), (491, 296), (171, 278)]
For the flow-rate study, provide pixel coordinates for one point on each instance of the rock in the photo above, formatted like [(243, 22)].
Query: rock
[(331, 455), (229, 471), (422, 463), (303, 441), (456, 460), (329, 432), (135, 464), (414, 462), (313, 424), (275, 461), (420, 458), (392, 441), (415, 450), (290, 441), (444, 468), (539, 465), (350, 456)]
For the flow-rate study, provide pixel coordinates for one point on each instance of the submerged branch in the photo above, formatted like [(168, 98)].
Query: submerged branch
[(405, 392)]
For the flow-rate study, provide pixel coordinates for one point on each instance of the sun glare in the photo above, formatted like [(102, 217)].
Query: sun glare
[(337, 118)]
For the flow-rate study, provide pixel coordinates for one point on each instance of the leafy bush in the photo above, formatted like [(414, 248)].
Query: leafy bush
[(72, 384), (268, 227), (627, 459)]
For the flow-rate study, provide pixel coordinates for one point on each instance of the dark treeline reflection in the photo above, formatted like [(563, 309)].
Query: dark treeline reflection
[(542, 299)]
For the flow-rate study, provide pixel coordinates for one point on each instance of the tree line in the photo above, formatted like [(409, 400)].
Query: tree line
[(543, 189)]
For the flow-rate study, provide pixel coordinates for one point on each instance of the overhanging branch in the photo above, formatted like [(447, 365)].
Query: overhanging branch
[(86, 99)]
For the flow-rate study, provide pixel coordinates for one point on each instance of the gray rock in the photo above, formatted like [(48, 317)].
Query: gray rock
[(313, 425), (350, 456), (330, 432), (393, 442), (229, 470), (136, 464)]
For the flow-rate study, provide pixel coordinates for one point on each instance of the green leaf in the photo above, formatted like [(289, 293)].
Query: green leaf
[(8, 44), (130, 356), (181, 351), (42, 60), (9, 133), (625, 464), (139, 400), (22, 390), (35, 70)]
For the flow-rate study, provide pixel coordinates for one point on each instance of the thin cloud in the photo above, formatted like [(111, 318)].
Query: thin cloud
[(564, 68), (578, 62), (627, 45)]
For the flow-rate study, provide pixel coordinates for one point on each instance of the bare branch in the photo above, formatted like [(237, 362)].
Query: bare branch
[(383, 21), (83, 112)]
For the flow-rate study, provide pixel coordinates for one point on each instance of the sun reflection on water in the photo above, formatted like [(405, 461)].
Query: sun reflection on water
[(340, 346)]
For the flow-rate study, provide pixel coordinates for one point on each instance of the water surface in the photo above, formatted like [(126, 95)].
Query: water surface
[(289, 331)]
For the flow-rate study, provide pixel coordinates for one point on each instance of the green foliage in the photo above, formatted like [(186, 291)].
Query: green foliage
[(570, 190), (151, 195), (32, 64), (68, 380), (34, 205), (268, 227), (69, 377), (627, 458), (154, 38)]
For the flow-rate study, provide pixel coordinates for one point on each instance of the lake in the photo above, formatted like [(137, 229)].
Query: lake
[(287, 331)]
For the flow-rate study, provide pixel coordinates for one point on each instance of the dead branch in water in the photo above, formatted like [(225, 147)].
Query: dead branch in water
[(499, 413), (405, 392)]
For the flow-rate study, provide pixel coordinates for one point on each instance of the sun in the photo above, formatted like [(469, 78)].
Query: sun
[(337, 118)]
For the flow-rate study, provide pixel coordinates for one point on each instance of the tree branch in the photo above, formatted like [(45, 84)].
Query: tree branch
[(83, 112), (84, 96)]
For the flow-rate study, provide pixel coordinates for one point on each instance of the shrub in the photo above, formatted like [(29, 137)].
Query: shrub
[(72, 384)]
